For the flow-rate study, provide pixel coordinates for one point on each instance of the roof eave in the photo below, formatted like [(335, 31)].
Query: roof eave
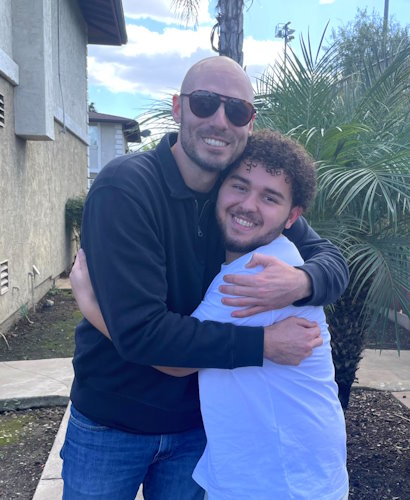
[(105, 21)]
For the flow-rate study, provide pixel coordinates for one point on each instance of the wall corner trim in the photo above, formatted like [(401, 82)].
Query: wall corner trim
[(32, 50), (8, 68)]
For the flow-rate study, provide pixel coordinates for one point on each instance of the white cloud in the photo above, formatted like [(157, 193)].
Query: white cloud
[(141, 41), (109, 75), (162, 11), (154, 63), (326, 2), (151, 63), (258, 54), (160, 68)]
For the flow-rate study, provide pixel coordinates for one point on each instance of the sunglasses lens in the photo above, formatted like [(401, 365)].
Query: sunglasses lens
[(239, 112), (203, 104)]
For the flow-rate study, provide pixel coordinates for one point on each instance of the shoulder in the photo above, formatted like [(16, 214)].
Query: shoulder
[(139, 175), (128, 171), (281, 248)]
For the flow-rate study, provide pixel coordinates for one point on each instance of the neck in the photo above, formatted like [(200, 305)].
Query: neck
[(194, 177), (231, 256)]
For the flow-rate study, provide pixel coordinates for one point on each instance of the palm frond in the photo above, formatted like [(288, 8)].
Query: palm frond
[(158, 119), (187, 10), (381, 266), (358, 130)]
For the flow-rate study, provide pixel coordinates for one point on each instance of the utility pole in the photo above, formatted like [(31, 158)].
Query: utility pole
[(283, 31), (385, 29), (386, 15)]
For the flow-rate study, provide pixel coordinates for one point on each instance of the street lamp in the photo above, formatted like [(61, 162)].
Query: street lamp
[(283, 31)]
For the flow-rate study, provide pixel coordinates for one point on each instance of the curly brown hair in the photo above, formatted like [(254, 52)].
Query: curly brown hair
[(278, 152)]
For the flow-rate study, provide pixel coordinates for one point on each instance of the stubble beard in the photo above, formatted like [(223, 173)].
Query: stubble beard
[(235, 246), (201, 163), (188, 145)]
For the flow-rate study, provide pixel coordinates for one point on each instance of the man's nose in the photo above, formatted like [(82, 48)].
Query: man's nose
[(219, 118), (250, 203)]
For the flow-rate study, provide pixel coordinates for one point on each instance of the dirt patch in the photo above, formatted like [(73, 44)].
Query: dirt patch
[(26, 439), (378, 426), (46, 333)]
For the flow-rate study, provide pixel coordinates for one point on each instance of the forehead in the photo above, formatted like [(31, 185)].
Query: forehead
[(258, 176), (219, 77)]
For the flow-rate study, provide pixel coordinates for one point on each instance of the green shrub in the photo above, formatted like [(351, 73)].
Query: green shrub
[(73, 216)]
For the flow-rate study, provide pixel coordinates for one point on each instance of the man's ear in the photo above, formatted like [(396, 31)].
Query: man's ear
[(294, 214), (250, 129), (176, 108)]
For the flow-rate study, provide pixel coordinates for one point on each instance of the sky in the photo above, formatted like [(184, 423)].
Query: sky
[(125, 80)]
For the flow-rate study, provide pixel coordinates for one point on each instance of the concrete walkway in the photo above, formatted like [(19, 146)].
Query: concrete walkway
[(31, 384)]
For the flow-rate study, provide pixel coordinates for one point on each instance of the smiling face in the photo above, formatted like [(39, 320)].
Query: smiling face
[(254, 206), (206, 146)]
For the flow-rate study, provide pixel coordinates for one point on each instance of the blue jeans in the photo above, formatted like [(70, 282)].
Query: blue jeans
[(104, 463)]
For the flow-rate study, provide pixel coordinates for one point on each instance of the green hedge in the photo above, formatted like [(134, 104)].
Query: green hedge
[(73, 216)]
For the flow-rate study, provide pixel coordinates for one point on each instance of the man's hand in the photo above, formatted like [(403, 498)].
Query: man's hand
[(290, 341), (277, 286)]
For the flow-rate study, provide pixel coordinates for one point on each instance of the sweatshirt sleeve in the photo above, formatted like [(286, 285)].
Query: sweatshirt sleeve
[(324, 263), (128, 271)]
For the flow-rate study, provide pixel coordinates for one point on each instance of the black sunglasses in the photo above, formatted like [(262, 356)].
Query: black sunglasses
[(204, 104)]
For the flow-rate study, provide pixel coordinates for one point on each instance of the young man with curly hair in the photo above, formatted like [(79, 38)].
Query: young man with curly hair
[(275, 431)]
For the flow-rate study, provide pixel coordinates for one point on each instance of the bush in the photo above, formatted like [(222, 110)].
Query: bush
[(73, 216)]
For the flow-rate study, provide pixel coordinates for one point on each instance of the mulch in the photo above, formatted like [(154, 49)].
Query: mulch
[(378, 446)]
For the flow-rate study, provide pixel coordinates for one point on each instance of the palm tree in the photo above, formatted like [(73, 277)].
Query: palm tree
[(229, 25), (358, 130)]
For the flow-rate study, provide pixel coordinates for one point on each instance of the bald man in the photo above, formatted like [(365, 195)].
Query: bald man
[(153, 247)]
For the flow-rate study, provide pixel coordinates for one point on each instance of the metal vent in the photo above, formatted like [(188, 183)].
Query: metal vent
[(1, 111), (4, 277)]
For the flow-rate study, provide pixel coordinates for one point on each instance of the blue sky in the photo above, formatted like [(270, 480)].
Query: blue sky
[(124, 80)]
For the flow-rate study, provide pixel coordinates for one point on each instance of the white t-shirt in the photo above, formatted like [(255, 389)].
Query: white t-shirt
[(274, 432)]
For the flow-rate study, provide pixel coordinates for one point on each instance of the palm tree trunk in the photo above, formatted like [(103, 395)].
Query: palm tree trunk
[(230, 20), (348, 334)]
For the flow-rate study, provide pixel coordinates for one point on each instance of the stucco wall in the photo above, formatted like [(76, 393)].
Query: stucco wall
[(5, 26), (37, 178), (70, 60)]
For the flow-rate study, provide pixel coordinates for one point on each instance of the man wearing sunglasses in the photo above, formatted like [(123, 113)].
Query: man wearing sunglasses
[(153, 247)]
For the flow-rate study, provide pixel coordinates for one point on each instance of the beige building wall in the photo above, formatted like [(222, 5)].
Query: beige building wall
[(37, 178), (43, 139)]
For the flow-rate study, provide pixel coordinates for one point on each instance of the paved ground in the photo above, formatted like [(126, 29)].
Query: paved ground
[(28, 384)]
